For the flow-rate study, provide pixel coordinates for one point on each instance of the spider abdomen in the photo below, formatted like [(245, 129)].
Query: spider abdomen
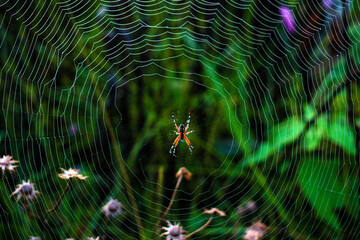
[(182, 136), (181, 133)]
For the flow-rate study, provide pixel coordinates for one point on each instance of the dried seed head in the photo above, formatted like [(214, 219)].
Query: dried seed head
[(255, 231), (173, 232), (252, 234), (259, 226), (112, 208), (184, 172), (7, 163), (215, 211), (71, 173), (26, 190)]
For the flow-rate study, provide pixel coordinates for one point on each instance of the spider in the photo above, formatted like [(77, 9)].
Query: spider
[(182, 131)]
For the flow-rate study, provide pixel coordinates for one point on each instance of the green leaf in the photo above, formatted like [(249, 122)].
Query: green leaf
[(309, 112), (287, 131), (336, 75), (354, 9), (354, 34), (319, 180), (355, 53), (336, 131), (264, 151), (282, 134), (340, 134), (237, 124), (314, 135), (331, 82), (312, 139)]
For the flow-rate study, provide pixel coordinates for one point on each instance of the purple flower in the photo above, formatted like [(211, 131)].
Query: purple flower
[(73, 129), (288, 18), (327, 3)]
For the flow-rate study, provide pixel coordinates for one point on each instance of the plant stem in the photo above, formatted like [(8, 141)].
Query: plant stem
[(114, 141), (5, 180), (170, 204), (41, 220), (172, 198), (261, 180), (121, 162), (61, 197), (159, 189), (31, 214), (200, 228)]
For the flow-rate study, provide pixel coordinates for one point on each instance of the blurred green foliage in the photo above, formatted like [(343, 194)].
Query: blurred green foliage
[(275, 116)]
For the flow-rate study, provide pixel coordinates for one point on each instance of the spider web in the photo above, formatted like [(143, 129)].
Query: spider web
[(271, 87)]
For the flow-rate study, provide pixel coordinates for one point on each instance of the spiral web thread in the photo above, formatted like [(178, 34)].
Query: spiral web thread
[(92, 84)]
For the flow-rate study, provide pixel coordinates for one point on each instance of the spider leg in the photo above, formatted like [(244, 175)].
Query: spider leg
[(187, 123), (173, 118), (189, 132), (188, 143), (175, 143)]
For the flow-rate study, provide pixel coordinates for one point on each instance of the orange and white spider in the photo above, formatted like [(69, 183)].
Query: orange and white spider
[(182, 131)]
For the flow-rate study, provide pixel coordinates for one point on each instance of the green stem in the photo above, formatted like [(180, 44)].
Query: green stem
[(170, 204), (5, 180), (61, 197), (271, 196), (120, 160), (159, 189), (200, 228), (115, 144)]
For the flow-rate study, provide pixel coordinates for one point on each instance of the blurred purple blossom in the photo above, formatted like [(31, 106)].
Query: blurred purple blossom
[(327, 3), (288, 18), (73, 129)]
